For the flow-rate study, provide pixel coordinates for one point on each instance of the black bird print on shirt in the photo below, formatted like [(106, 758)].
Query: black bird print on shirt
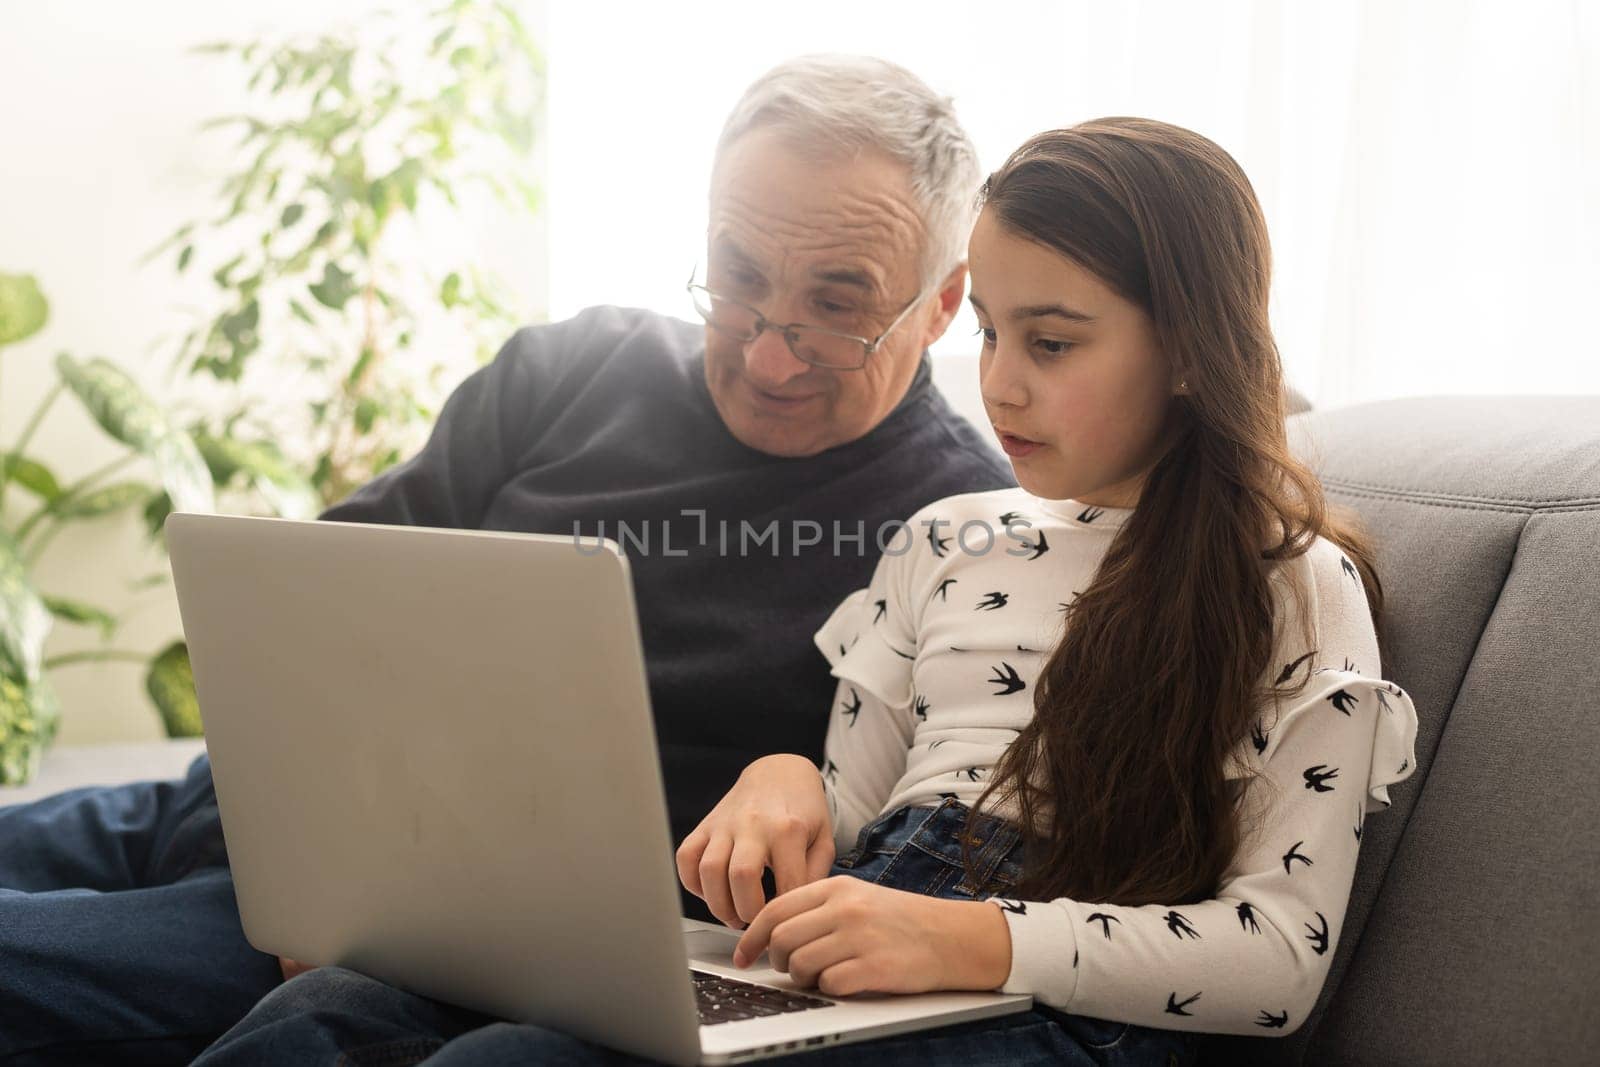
[(1317, 775), (902, 655), (1293, 855), (1342, 700), (1258, 739), (1247, 915), (1349, 568), (1288, 671), (831, 772), (1039, 547), (935, 744), (1318, 938), (919, 708), (1403, 765), (1010, 517), (1006, 677), (936, 541), (882, 612), (1383, 700), (943, 587), (1088, 515), (1176, 1006), (992, 601), (971, 774), (1015, 907), (1180, 926), (1105, 922), (852, 707), (1271, 1021)]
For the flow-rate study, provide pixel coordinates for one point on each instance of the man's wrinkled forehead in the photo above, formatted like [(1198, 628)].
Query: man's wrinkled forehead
[(785, 265), (794, 216)]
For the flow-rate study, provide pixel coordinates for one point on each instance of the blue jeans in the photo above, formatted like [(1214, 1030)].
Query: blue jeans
[(332, 1015), (119, 933)]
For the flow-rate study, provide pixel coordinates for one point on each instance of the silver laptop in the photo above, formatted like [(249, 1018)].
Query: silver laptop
[(436, 764)]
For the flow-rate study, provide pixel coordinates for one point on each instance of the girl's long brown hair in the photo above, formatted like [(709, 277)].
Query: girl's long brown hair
[(1163, 666)]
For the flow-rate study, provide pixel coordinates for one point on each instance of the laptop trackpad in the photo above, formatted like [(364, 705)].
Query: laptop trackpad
[(713, 946)]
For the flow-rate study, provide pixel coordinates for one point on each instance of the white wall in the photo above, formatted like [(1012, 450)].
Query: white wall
[(99, 160), (1429, 169)]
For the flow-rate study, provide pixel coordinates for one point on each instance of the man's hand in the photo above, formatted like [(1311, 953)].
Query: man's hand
[(290, 968), (846, 935), (776, 815)]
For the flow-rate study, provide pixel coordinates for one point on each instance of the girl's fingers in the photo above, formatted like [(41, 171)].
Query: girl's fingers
[(745, 866), (795, 933), (807, 962), (714, 879)]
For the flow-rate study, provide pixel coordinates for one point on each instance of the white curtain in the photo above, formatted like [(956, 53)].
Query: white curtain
[(1430, 171)]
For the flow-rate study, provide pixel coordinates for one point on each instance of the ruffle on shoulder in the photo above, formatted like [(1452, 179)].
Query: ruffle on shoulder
[(858, 653), (1340, 694)]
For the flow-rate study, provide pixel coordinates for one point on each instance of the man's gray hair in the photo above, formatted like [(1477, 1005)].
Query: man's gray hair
[(859, 101)]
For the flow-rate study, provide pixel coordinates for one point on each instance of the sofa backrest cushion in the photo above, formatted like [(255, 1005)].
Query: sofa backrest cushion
[(1472, 933)]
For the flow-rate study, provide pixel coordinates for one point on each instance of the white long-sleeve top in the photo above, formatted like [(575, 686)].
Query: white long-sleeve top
[(936, 662)]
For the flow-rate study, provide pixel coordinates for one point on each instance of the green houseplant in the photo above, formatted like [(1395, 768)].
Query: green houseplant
[(303, 364), (29, 711), (359, 144)]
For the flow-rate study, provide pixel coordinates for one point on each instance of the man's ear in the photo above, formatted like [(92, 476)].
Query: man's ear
[(951, 292)]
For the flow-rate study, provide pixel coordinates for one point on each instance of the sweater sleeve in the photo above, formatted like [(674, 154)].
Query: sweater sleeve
[(1253, 959), (870, 644)]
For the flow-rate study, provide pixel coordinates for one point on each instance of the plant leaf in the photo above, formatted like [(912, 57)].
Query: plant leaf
[(170, 683), (335, 288), (125, 412), (102, 501), (23, 308), (79, 612), (286, 490), (31, 475), (156, 510), (29, 718), (24, 620)]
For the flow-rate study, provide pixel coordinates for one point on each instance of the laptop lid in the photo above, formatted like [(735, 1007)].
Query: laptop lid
[(435, 764)]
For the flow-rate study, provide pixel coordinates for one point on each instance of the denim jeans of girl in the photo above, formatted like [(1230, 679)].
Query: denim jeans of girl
[(336, 1016)]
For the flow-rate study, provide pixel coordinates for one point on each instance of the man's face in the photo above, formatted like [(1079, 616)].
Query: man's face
[(823, 240)]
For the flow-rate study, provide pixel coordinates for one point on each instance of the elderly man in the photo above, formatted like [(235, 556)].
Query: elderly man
[(750, 467)]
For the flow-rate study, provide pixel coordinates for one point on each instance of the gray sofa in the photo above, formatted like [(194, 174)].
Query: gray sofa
[(1473, 933)]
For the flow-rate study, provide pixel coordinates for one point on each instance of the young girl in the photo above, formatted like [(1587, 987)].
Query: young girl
[(1108, 738)]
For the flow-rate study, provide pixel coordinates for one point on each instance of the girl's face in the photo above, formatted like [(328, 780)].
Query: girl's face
[(1072, 379)]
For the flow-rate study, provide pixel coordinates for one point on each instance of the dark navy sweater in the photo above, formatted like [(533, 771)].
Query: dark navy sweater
[(605, 418)]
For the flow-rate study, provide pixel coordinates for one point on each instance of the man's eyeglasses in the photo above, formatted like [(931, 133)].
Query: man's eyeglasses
[(816, 345)]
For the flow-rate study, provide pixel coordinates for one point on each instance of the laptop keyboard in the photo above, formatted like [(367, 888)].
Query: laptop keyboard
[(727, 1000)]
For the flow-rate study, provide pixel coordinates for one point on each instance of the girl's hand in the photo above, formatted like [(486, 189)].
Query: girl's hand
[(776, 815), (844, 936)]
